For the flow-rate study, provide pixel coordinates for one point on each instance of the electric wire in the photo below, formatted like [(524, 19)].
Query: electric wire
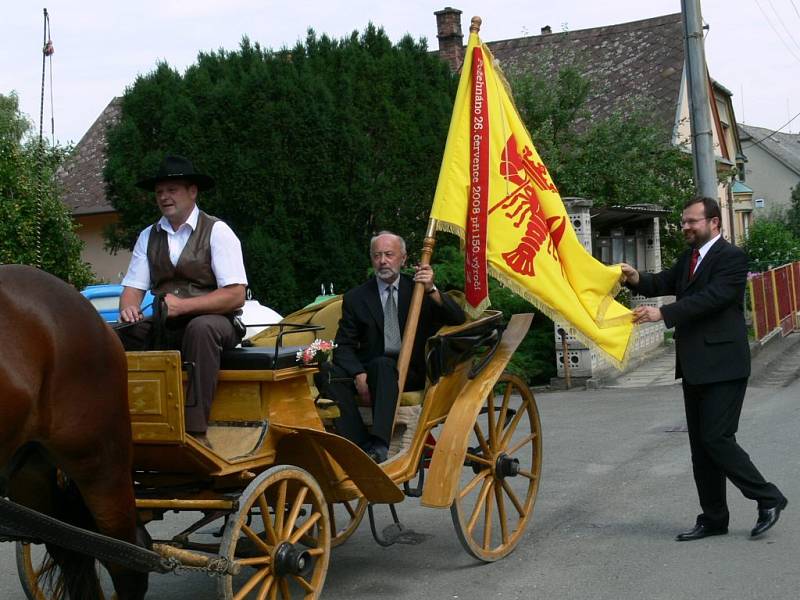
[(777, 33), (783, 24), (766, 137)]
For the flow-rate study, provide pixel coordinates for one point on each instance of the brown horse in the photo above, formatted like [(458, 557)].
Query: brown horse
[(63, 404)]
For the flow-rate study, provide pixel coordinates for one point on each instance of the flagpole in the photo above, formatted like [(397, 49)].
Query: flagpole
[(410, 331)]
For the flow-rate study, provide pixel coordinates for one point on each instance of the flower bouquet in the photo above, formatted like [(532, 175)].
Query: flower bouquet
[(318, 353)]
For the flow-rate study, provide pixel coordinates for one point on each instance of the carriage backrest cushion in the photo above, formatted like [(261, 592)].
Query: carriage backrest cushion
[(328, 317), (326, 314)]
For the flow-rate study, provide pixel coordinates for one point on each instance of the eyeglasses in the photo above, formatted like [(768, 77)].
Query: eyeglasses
[(685, 222)]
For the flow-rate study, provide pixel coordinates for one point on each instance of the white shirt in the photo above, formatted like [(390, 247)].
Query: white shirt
[(383, 291), (704, 250), (226, 252)]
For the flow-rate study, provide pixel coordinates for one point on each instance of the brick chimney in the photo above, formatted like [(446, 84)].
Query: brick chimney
[(451, 40)]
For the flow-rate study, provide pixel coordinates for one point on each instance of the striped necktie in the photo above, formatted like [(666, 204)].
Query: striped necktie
[(391, 325)]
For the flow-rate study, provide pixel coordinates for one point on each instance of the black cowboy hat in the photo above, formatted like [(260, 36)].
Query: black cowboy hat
[(176, 167)]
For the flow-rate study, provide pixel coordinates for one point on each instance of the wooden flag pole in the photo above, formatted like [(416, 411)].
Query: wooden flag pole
[(410, 332)]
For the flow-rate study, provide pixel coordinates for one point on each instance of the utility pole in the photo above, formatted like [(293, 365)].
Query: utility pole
[(705, 167)]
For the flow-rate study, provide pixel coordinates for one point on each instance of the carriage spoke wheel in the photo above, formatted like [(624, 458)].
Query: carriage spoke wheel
[(345, 517), (498, 488), (37, 583), (280, 509)]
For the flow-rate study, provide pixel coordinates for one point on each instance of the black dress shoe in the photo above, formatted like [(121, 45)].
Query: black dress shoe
[(767, 517), (699, 532), (378, 451)]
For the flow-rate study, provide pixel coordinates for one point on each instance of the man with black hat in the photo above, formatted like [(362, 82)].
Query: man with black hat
[(194, 261)]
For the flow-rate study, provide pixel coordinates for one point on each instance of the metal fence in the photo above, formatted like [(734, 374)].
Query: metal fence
[(775, 300)]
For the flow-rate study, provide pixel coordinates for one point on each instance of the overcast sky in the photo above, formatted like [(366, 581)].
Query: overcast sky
[(752, 48)]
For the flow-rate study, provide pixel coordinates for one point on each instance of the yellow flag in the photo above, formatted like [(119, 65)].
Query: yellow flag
[(495, 193)]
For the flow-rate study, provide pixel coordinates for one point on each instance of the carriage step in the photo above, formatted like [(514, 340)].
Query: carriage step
[(396, 532)]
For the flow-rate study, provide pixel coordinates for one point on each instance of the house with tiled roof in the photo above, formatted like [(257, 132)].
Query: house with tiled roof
[(636, 65), (83, 191), (772, 168)]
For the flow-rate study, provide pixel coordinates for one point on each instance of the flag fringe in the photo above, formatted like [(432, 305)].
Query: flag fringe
[(556, 316), (549, 311)]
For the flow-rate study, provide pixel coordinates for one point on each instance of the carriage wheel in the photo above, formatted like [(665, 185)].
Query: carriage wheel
[(276, 511), (345, 518), (495, 499), (31, 559)]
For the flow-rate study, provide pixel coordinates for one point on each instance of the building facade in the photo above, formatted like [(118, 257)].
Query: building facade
[(772, 169), (83, 191)]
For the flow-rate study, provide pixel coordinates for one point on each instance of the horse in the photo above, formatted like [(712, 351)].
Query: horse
[(64, 410)]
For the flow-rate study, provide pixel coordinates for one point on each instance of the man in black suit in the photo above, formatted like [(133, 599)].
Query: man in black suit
[(713, 357), (369, 337)]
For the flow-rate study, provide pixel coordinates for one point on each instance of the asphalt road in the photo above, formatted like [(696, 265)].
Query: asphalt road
[(616, 488)]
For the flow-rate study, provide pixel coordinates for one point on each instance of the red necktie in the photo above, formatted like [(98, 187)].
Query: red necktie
[(693, 262)]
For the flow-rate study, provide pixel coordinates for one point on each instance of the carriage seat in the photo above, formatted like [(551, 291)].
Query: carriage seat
[(259, 358), (326, 315)]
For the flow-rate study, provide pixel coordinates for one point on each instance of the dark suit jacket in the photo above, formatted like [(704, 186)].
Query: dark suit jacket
[(359, 338), (708, 313)]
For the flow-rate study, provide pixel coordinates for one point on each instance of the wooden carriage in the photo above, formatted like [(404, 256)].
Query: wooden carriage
[(282, 488)]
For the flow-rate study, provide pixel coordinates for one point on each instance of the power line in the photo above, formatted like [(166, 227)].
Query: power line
[(783, 24), (766, 137), (794, 6), (777, 33)]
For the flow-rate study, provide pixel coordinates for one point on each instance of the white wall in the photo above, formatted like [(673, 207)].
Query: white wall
[(769, 179)]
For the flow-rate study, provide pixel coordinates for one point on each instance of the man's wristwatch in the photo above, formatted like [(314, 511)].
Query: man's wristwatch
[(433, 290)]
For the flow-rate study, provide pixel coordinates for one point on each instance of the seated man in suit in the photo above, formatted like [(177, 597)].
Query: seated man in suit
[(369, 338)]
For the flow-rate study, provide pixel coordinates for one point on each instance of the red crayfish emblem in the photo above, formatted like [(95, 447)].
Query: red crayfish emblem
[(523, 205)]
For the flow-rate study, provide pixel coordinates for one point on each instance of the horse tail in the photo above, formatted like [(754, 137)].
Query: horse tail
[(69, 574)]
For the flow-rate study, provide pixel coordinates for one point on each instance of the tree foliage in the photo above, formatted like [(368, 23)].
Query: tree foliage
[(35, 227), (314, 149), (614, 161), (793, 214), (771, 244), (317, 147)]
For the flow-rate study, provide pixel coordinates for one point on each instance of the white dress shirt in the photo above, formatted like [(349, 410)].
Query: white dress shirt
[(703, 250), (383, 291)]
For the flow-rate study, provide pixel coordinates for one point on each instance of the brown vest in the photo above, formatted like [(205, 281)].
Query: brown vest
[(192, 276)]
